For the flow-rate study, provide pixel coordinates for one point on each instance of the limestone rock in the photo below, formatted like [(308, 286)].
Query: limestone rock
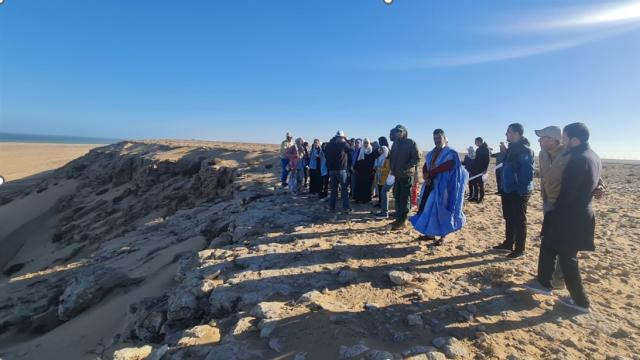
[(88, 288), (200, 335), (400, 277), (268, 310), (133, 353), (243, 325)]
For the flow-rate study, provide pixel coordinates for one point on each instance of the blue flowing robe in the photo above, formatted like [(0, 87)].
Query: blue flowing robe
[(442, 213)]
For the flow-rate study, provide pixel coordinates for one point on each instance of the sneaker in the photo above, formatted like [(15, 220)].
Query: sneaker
[(503, 247), (515, 255), (382, 215), (568, 302), (536, 287)]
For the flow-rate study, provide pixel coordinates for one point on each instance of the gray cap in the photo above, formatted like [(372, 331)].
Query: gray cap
[(553, 132), (340, 133)]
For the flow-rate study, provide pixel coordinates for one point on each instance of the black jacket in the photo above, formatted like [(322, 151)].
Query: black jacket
[(481, 163), (337, 153), (572, 222)]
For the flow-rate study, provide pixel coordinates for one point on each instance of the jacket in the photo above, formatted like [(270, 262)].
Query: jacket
[(404, 156), (552, 166), (481, 163), (517, 171), (572, 221), (337, 154)]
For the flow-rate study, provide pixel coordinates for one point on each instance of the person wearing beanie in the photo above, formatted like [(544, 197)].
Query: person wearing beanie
[(403, 158), (337, 161)]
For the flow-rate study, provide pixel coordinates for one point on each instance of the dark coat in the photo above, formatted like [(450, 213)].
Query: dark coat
[(572, 222), (337, 154), (481, 163), (404, 156)]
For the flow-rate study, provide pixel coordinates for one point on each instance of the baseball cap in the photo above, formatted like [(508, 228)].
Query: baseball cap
[(553, 132)]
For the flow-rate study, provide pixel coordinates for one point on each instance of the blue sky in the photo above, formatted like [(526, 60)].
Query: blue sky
[(251, 70)]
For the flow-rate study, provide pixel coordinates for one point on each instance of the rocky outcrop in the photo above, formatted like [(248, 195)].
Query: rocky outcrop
[(88, 287)]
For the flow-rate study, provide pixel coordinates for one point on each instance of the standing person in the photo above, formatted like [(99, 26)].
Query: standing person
[(442, 196), (551, 167), (363, 171), (305, 146), (517, 184), (337, 155), (469, 166), (403, 158), (481, 165), (324, 172), (295, 154), (571, 222), (315, 168), (354, 157), (499, 161), (284, 160), (381, 167), (383, 141)]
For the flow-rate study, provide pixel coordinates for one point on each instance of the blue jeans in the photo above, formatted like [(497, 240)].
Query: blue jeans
[(285, 170), (338, 177), (384, 198)]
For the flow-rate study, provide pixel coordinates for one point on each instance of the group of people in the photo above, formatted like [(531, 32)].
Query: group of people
[(569, 173)]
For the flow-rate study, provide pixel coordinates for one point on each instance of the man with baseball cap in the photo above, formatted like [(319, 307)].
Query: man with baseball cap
[(284, 160)]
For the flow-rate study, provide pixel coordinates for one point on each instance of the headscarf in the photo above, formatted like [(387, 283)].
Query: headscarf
[(380, 160), (471, 152), (366, 149)]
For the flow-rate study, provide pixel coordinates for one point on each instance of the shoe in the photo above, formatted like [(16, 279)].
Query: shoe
[(397, 226), (515, 255), (426, 238), (347, 210), (568, 302), (536, 287), (382, 215), (503, 247)]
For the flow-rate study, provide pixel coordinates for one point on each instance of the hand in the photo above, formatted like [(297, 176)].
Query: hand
[(598, 193)]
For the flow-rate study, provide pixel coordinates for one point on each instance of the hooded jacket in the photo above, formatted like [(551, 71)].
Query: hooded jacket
[(517, 171), (404, 154)]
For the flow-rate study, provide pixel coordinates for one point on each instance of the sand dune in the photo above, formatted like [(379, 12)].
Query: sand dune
[(191, 249)]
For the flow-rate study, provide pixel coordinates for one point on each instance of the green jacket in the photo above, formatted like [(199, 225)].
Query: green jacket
[(404, 157)]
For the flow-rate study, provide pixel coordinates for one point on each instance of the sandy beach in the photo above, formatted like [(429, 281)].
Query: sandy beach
[(189, 250), (20, 160)]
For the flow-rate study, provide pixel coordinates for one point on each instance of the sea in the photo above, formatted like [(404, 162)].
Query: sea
[(55, 139)]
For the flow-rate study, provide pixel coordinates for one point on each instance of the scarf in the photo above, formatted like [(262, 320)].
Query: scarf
[(366, 150)]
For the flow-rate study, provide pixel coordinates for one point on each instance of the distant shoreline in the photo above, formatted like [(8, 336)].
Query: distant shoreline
[(54, 139)]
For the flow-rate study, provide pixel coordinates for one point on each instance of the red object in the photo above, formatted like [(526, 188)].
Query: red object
[(414, 195)]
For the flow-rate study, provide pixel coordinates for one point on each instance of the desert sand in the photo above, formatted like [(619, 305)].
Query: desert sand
[(190, 250), (20, 160)]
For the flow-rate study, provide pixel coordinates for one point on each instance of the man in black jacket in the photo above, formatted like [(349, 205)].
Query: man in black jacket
[(404, 157), (572, 220), (480, 167), (337, 155)]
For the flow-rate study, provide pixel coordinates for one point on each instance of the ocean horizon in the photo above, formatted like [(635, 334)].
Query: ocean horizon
[(55, 139)]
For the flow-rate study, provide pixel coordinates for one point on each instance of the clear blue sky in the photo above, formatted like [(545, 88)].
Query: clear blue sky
[(251, 70)]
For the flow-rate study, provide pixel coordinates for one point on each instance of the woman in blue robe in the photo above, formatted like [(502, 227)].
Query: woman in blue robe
[(442, 195)]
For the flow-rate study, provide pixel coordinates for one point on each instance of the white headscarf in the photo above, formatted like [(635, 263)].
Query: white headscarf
[(471, 152), (365, 150), (380, 160)]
